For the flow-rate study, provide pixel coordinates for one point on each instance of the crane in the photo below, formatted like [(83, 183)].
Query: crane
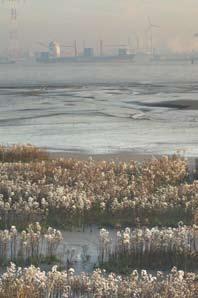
[(13, 48)]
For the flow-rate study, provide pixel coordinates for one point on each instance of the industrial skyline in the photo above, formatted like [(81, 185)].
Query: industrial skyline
[(113, 21)]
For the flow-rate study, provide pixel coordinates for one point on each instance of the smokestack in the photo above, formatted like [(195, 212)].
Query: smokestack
[(101, 47), (75, 48)]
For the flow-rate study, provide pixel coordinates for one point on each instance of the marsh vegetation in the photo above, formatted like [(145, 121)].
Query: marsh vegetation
[(149, 207), (154, 192)]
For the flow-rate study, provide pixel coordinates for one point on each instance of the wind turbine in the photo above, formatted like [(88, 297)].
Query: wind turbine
[(150, 30), (195, 35)]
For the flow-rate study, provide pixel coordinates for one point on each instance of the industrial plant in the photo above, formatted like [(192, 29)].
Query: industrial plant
[(141, 48)]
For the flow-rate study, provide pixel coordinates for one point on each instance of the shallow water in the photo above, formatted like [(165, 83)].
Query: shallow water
[(79, 247), (85, 246), (100, 108)]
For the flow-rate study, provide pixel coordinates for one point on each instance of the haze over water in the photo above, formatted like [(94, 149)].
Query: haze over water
[(101, 108)]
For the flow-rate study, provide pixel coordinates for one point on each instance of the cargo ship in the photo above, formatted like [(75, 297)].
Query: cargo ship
[(53, 55), (7, 61), (81, 59)]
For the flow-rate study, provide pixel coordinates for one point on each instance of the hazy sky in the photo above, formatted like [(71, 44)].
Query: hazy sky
[(110, 20)]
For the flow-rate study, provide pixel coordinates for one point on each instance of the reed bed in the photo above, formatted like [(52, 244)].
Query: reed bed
[(32, 245), (23, 153), (31, 282), (156, 192), (68, 192), (150, 248)]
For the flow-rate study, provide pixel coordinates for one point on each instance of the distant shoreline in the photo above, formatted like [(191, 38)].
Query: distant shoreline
[(122, 157), (119, 156)]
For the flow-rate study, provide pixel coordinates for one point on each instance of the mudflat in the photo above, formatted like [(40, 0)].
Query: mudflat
[(174, 104)]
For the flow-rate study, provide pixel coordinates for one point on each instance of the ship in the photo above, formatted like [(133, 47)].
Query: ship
[(53, 55), (6, 61), (81, 59)]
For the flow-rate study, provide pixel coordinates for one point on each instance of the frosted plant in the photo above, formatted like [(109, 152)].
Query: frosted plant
[(29, 244), (53, 238), (104, 245), (151, 247), (84, 191), (31, 282)]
